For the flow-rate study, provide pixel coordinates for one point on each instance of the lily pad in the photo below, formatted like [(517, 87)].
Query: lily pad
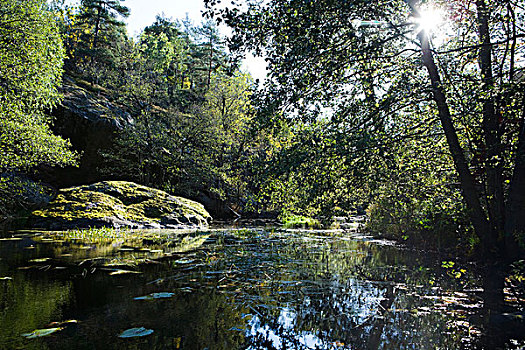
[(153, 296), (122, 272), (37, 333), (184, 261), (62, 323), (135, 332), (126, 249)]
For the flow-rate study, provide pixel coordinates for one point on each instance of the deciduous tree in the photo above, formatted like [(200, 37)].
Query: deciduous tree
[(376, 62), (31, 58)]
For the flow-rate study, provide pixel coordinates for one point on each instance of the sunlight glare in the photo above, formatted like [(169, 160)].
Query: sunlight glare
[(430, 20)]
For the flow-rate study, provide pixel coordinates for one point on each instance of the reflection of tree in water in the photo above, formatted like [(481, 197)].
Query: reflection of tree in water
[(335, 293), (28, 303), (274, 291)]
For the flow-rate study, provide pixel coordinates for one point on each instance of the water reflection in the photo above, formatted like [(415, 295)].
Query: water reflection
[(233, 290)]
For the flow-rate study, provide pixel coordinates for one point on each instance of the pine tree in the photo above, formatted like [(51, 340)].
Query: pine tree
[(102, 27)]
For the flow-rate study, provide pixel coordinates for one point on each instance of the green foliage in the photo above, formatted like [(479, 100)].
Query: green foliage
[(31, 55), (31, 58), (298, 221), (366, 82), (202, 150), (96, 234), (191, 128), (18, 195), (414, 195), (304, 172)]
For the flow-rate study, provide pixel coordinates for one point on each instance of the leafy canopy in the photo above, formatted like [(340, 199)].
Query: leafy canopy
[(31, 56)]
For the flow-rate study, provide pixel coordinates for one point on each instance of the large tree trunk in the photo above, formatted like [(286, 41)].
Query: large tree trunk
[(468, 184), (512, 221), (493, 158), (515, 216)]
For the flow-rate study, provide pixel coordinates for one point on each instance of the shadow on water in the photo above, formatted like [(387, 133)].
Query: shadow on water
[(235, 289)]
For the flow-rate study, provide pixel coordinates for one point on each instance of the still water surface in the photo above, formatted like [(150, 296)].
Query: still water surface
[(232, 289)]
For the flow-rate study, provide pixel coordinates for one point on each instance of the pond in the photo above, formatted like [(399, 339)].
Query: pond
[(232, 289)]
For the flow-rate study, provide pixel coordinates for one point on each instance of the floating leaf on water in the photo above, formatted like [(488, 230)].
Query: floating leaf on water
[(184, 261), (153, 296), (120, 263), (61, 323), (40, 260), (236, 329), (157, 281), (149, 261), (122, 272), (41, 332), (43, 267), (135, 332)]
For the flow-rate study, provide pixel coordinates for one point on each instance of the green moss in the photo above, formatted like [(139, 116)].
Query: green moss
[(122, 201), (74, 203)]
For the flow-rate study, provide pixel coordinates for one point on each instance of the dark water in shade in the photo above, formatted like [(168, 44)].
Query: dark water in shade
[(247, 289)]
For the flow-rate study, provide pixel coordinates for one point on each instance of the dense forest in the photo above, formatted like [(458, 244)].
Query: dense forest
[(189, 121), (422, 130)]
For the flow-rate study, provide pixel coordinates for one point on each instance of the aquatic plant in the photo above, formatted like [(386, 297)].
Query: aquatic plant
[(299, 221)]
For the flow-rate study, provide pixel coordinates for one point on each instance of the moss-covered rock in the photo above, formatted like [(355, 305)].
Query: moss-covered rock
[(117, 204)]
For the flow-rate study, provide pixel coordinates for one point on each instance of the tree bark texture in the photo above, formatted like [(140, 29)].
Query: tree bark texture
[(490, 124), (468, 184), (515, 215)]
